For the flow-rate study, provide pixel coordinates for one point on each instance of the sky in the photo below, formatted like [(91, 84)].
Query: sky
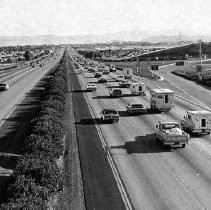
[(80, 17)]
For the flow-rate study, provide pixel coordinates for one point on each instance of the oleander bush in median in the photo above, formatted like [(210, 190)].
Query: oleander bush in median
[(37, 176)]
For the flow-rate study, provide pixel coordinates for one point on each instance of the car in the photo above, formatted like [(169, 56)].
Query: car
[(115, 92), (124, 83), (4, 87), (112, 69), (109, 115), (106, 71), (135, 107), (91, 87), (102, 80), (98, 74), (91, 70), (119, 78)]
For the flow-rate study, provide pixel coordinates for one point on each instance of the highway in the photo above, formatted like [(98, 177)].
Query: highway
[(153, 177), (21, 80)]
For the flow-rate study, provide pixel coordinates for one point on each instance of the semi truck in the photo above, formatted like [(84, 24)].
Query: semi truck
[(198, 122), (162, 99), (170, 133)]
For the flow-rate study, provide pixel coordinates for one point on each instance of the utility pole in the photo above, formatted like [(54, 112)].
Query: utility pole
[(200, 41)]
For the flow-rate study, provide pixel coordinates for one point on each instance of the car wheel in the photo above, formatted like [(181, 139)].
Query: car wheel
[(183, 145)]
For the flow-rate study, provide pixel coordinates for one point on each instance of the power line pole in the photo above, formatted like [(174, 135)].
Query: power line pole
[(200, 41)]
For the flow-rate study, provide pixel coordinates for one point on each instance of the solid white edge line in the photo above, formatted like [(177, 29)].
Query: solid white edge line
[(120, 185)]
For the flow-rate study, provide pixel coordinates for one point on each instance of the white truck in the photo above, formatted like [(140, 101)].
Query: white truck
[(170, 133), (197, 122), (138, 89), (128, 73), (162, 99)]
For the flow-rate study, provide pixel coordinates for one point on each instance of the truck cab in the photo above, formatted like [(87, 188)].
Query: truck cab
[(162, 99), (197, 122)]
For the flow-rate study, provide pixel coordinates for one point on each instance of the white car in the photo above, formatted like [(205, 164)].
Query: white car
[(119, 78), (91, 87), (109, 115), (124, 83), (134, 107)]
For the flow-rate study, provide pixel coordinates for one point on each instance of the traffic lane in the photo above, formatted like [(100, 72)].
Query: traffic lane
[(11, 97), (199, 91), (124, 134), (100, 188), (116, 133), (149, 146)]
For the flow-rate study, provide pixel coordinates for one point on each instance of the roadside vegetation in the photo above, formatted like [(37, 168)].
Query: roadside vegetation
[(37, 176)]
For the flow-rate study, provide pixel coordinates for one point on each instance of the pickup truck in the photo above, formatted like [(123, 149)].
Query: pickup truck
[(170, 133), (124, 83)]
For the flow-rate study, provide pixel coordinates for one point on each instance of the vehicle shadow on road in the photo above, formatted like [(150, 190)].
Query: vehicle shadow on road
[(92, 121), (78, 91), (102, 97), (126, 114), (144, 144), (115, 86), (90, 77)]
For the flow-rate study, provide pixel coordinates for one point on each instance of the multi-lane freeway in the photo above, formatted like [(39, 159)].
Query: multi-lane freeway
[(153, 177), (21, 80)]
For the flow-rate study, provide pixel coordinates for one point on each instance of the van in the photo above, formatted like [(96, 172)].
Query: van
[(162, 99), (138, 89)]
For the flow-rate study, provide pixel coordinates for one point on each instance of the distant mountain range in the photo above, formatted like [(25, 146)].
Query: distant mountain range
[(139, 35)]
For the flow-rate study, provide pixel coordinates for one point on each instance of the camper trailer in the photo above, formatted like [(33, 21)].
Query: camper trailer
[(162, 99), (138, 89), (197, 122), (127, 72)]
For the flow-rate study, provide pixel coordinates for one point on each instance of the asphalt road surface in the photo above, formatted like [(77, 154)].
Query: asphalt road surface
[(153, 177)]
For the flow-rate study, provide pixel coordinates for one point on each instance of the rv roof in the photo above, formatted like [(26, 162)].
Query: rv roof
[(199, 112), (139, 83), (158, 90)]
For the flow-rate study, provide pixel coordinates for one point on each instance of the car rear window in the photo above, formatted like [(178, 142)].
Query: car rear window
[(110, 112), (137, 105)]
